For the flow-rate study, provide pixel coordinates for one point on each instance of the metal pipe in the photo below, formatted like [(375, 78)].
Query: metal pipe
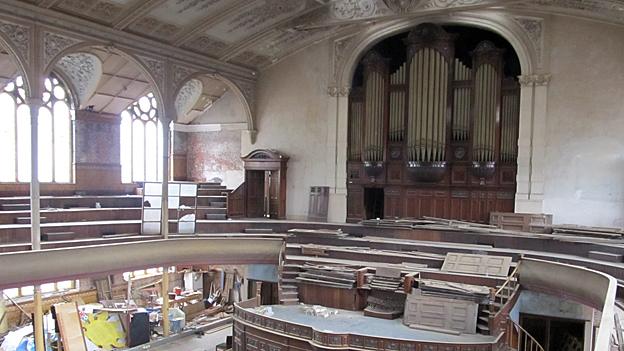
[(165, 303)]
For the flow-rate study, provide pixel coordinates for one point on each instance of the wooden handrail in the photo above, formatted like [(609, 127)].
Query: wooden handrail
[(513, 274), (528, 341)]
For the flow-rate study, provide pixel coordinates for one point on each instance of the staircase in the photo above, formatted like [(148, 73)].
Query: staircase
[(212, 200), (287, 281)]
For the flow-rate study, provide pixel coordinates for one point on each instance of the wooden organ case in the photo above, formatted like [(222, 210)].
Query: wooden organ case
[(435, 137)]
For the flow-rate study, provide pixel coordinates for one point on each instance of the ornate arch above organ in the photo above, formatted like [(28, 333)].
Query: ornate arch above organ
[(435, 135)]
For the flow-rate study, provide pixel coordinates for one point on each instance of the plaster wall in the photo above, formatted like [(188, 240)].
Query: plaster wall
[(215, 155), (228, 109), (291, 117), (584, 152)]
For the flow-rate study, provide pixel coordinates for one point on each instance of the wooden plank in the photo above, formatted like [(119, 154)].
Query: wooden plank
[(70, 327)]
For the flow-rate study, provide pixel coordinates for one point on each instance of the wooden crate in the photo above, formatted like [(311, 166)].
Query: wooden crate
[(526, 222)]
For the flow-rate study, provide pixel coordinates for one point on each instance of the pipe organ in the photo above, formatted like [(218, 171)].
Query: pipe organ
[(436, 135)]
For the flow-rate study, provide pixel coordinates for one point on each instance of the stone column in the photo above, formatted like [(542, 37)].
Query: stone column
[(35, 218), (337, 154), (532, 143)]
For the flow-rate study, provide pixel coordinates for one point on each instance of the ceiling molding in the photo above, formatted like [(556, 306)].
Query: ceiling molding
[(48, 3), (123, 40), (200, 27), (137, 11), (250, 41)]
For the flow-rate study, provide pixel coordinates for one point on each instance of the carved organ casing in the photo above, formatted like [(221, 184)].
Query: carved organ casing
[(437, 134)]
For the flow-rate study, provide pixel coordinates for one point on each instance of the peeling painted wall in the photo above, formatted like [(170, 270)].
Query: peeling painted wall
[(215, 155)]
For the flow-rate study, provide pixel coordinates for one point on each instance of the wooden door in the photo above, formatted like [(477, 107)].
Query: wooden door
[(272, 180), (255, 194)]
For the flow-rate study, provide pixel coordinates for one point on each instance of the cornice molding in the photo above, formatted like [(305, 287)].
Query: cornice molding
[(53, 19)]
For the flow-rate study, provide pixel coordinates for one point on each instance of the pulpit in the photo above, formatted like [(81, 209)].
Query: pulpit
[(263, 194)]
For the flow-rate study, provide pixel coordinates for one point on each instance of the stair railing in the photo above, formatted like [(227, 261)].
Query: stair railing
[(506, 291), (520, 339)]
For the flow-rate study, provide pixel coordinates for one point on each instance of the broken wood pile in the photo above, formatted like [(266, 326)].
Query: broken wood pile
[(328, 275), (476, 293), (317, 233), (386, 279), (597, 232)]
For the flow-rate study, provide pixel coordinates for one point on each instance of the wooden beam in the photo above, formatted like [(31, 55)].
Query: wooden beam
[(135, 12)]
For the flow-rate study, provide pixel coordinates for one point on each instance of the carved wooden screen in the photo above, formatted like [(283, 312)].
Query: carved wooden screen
[(438, 132)]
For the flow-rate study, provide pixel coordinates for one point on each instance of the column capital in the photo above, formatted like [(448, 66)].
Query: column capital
[(335, 91), (530, 80)]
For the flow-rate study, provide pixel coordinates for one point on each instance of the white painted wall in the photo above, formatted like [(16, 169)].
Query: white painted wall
[(291, 118), (584, 171)]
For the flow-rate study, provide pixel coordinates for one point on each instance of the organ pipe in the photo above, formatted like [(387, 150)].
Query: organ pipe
[(510, 112), (487, 92), (356, 117), (397, 104), (375, 106), (461, 101), (429, 55)]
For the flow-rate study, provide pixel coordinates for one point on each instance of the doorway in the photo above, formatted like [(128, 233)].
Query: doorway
[(374, 202), (555, 334)]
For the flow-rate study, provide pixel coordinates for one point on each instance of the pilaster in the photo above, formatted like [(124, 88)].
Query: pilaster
[(532, 143)]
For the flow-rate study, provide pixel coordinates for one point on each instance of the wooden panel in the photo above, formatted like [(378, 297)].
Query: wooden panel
[(346, 299), (459, 175), (443, 313), (477, 264), (355, 202), (254, 181), (393, 200), (395, 173)]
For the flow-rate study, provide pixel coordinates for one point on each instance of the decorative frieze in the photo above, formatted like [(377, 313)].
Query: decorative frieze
[(19, 36), (84, 71), (335, 91), (156, 68), (534, 29), (53, 44), (180, 74), (352, 9), (188, 96), (529, 80)]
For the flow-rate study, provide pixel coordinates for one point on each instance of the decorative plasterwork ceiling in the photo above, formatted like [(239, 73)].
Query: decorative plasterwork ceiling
[(257, 33)]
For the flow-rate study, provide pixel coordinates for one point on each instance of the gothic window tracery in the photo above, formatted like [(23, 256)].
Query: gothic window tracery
[(55, 127), (141, 141)]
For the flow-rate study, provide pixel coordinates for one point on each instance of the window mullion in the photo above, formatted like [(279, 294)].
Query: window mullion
[(15, 137)]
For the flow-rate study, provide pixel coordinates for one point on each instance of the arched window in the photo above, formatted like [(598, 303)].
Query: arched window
[(141, 142), (55, 133)]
